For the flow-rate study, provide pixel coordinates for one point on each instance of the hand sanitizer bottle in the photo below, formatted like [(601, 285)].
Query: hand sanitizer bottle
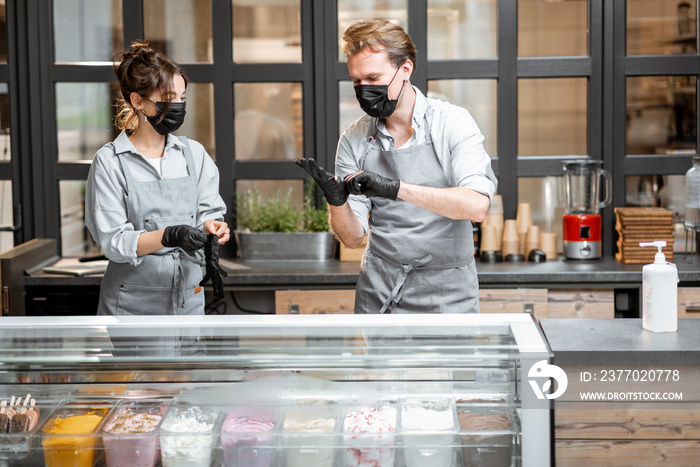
[(660, 292)]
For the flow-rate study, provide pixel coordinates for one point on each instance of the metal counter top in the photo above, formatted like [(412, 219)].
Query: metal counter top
[(605, 272), (621, 342)]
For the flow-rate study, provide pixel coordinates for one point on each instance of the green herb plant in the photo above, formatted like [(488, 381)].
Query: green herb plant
[(260, 213)]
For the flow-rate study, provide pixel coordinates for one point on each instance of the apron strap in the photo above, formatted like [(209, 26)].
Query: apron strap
[(178, 288), (422, 263), (188, 155)]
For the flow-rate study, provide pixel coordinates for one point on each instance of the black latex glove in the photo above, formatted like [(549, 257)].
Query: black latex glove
[(333, 188), (372, 184), (214, 271), (186, 237)]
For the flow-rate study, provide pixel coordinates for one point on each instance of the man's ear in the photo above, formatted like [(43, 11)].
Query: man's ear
[(407, 68)]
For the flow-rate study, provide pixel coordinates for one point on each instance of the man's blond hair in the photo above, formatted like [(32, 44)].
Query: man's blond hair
[(380, 35)]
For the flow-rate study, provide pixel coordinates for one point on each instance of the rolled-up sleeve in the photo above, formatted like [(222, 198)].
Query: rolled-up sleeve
[(105, 211), (347, 161), (470, 164), (211, 205)]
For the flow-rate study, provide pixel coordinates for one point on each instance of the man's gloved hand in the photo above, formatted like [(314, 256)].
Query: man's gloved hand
[(372, 184), (186, 237), (333, 188), (214, 271)]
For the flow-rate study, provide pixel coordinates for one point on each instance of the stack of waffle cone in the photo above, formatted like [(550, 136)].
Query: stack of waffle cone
[(635, 225)]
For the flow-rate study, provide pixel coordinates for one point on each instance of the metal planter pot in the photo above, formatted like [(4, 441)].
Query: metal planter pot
[(277, 246)]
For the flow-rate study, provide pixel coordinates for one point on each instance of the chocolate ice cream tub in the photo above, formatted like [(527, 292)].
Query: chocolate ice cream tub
[(487, 432)]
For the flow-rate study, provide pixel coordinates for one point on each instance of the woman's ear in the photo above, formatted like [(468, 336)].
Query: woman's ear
[(135, 100)]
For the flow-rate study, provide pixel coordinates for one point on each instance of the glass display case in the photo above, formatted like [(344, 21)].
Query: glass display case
[(307, 390)]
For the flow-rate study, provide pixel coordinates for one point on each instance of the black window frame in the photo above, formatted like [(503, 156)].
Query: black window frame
[(31, 75)]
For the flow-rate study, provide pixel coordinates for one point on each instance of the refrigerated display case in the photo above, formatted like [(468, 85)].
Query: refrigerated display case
[(342, 390)]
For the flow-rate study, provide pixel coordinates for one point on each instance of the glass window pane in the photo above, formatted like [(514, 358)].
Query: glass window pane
[(87, 30), (349, 110), (271, 188), (351, 11), (75, 238), (478, 96), (547, 200), (661, 27), (267, 31), (5, 148), (547, 28), (6, 238), (661, 114), (552, 116), (84, 118), (462, 29), (179, 28), (199, 122), (268, 121), (3, 33)]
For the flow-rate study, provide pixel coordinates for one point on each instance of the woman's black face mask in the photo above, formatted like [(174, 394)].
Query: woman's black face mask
[(172, 120), (374, 98)]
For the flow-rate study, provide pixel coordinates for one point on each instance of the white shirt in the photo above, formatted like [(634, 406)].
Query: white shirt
[(458, 143), (105, 203)]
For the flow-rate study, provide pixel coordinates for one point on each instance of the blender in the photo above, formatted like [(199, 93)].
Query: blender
[(582, 221)]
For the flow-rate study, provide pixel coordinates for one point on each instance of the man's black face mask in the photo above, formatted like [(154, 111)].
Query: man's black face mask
[(374, 98)]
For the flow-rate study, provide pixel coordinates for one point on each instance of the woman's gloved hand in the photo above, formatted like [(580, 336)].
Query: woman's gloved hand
[(213, 269), (186, 237), (372, 184), (333, 188)]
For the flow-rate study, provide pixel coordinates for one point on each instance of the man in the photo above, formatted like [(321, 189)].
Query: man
[(416, 174)]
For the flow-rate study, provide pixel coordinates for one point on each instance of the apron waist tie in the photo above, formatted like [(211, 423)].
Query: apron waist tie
[(178, 294), (422, 263)]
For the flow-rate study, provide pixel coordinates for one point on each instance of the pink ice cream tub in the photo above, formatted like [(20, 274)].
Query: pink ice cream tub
[(369, 435), (247, 436), (129, 436)]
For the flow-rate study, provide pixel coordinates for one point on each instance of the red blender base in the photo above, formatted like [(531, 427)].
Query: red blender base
[(582, 233)]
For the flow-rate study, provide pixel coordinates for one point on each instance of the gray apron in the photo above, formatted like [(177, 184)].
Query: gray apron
[(416, 261), (167, 281)]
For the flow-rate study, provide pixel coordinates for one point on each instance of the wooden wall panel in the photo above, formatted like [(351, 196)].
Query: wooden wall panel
[(513, 300), (581, 303), (689, 302), (626, 453), (578, 422), (316, 302)]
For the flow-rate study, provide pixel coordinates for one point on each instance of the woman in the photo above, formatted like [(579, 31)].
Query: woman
[(152, 197)]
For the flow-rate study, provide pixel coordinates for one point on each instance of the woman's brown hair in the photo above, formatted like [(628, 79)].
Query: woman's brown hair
[(144, 71), (378, 35)]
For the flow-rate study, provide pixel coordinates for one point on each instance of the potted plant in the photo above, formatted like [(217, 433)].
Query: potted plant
[(271, 228)]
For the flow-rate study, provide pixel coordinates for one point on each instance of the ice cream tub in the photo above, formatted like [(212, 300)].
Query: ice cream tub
[(130, 434), (187, 435), (428, 429), (70, 436), (487, 431), (309, 431), (369, 435), (248, 437)]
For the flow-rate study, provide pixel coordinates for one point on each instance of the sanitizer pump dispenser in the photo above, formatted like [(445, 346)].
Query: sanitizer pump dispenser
[(660, 292)]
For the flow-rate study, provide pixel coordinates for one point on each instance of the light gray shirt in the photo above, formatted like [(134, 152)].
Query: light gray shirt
[(105, 203), (456, 138)]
